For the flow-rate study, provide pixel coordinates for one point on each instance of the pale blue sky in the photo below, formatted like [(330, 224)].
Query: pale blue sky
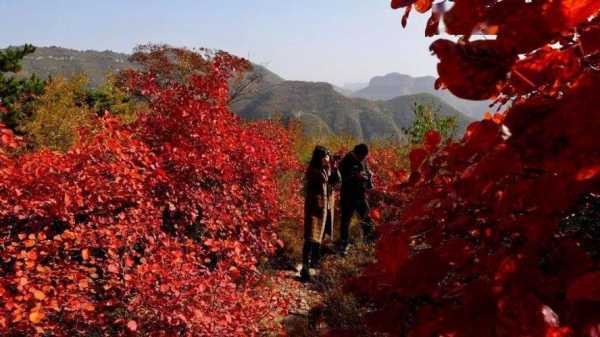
[(337, 41)]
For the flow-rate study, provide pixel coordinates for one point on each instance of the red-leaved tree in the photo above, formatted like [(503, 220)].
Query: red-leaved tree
[(149, 229), (472, 244)]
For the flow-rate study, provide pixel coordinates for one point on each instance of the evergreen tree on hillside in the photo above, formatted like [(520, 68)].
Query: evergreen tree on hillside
[(16, 95)]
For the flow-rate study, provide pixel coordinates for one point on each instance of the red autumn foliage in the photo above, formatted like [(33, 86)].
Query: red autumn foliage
[(480, 218), (150, 229)]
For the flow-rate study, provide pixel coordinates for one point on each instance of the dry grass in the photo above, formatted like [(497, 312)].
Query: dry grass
[(340, 310)]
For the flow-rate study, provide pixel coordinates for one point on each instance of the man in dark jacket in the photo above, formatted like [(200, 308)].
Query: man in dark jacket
[(356, 180)]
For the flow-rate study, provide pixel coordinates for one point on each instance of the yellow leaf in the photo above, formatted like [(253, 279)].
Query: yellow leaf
[(38, 294), (30, 264), (88, 307), (85, 254), (36, 316), (83, 283)]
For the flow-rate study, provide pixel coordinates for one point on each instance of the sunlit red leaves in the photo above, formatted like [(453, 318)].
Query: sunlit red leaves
[(464, 16), (7, 137), (472, 70), (375, 214), (559, 332), (547, 69), (577, 11), (132, 325), (36, 316), (587, 173), (483, 214), (432, 140), (527, 26), (109, 243), (423, 6)]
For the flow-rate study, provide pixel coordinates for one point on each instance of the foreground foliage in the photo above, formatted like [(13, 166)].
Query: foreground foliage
[(472, 243), (152, 228)]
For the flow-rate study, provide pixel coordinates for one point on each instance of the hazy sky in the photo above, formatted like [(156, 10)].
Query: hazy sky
[(337, 41)]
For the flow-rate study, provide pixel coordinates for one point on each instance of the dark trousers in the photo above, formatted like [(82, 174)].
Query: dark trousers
[(311, 253), (355, 204)]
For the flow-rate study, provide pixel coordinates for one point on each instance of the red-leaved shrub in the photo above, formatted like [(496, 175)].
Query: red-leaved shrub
[(149, 229), (471, 244)]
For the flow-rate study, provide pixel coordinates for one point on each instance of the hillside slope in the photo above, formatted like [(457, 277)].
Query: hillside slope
[(56, 61), (319, 105)]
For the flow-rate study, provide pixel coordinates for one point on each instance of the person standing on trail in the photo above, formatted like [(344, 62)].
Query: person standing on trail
[(356, 180), (319, 203)]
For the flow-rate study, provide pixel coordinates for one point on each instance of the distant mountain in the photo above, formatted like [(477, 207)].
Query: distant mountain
[(266, 76), (343, 91), (54, 61), (355, 86), (323, 108), (394, 84), (324, 111)]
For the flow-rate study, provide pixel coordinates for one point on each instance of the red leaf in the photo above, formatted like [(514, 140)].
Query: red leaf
[(432, 140), (402, 3), (132, 325), (417, 156), (585, 288), (472, 70), (392, 252), (405, 16), (375, 214), (588, 173)]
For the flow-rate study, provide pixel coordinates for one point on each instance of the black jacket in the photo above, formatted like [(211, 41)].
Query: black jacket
[(354, 176)]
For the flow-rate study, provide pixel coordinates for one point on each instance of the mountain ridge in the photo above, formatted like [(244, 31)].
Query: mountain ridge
[(394, 84), (324, 110), (322, 107)]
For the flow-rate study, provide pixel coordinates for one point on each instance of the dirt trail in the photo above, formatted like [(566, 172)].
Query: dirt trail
[(301, 297)]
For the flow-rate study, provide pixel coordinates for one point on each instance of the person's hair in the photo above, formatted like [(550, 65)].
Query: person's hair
[(318, 154), (361, 150)]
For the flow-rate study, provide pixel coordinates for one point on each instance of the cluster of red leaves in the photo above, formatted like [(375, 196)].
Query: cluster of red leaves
[(150, 229), (471, 245), (540, 46), (389, 172)]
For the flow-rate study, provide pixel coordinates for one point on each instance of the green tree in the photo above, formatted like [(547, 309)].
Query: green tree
[(428, 118), (17, 96), (113, 98)]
